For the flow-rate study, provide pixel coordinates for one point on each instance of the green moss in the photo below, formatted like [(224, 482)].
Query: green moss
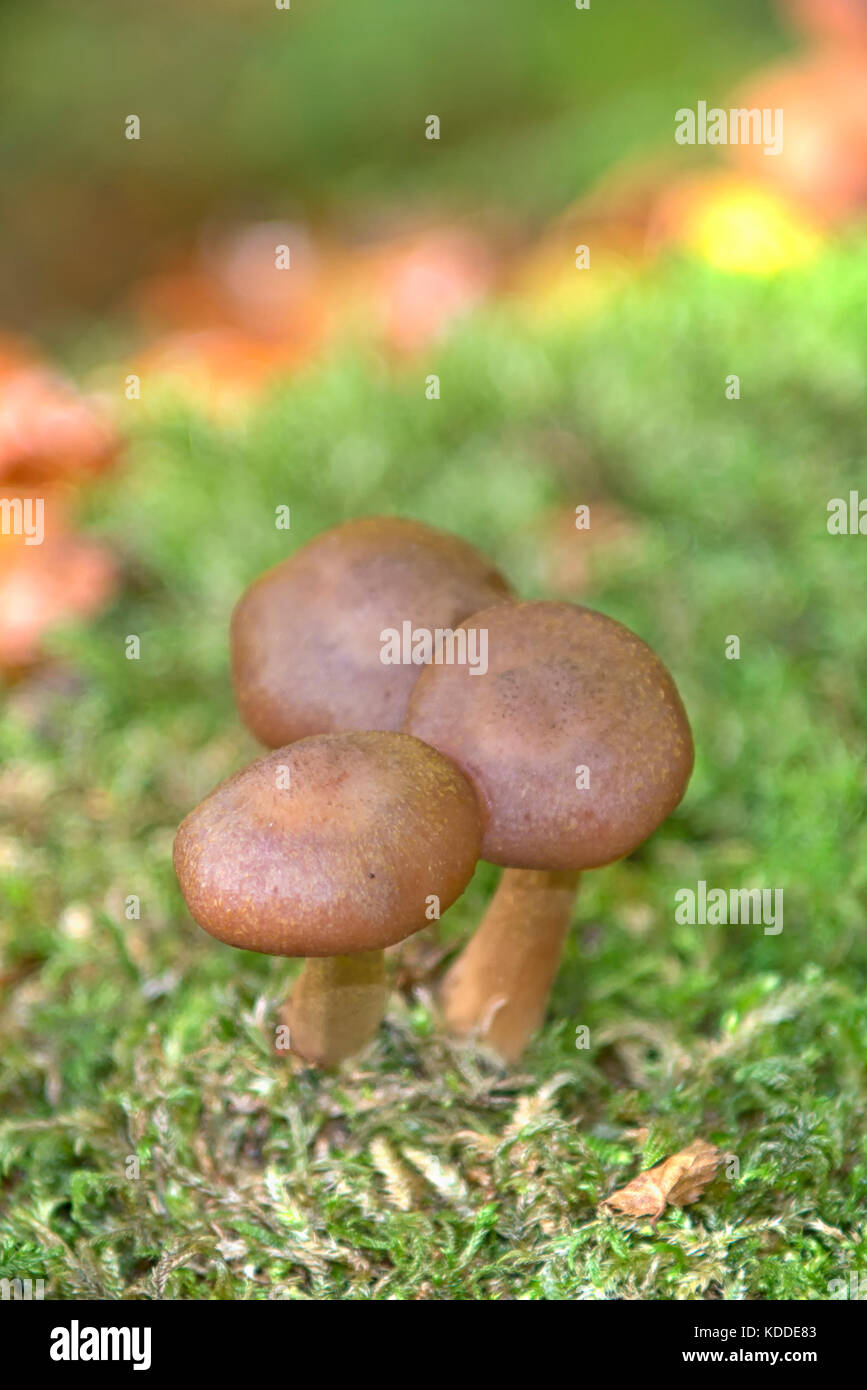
[(420, 1171)]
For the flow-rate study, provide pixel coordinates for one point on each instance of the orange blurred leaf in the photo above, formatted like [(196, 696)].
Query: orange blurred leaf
[(48, 429), (41, 585)]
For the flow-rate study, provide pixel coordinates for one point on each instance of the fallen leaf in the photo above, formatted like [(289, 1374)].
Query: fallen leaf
[(238, 282), (428, 284), (63, 578), (676, 1181), (411, 287), (837, 21), (221, 369), (822, 163), (48, 429)]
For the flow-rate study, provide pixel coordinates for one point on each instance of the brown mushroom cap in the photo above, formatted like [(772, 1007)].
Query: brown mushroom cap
[(306, 636), (340, 860), (565, 687)]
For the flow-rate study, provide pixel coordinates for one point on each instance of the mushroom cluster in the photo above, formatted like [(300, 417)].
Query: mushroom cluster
[(387, 782)]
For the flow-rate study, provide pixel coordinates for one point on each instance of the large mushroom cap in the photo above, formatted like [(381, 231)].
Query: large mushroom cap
[(306, 637), (565, 688), (331, 846)]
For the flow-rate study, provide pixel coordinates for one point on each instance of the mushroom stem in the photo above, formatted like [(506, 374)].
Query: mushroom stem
[(498, 987), (336, 1006)]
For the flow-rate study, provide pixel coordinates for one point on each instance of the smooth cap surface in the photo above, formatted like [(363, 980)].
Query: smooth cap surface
[(330, 846), (566, 688), (306, 637)]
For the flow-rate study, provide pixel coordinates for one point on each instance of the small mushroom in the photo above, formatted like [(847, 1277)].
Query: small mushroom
[(332, 849), (578, 747), (307, 636)]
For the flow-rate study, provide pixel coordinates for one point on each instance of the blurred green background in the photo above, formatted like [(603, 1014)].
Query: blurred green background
[(318, 112)]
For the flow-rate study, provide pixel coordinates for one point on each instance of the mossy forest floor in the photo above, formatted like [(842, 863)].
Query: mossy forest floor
[(423, 1171)]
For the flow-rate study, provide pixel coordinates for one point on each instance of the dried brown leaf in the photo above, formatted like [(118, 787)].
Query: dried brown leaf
[(676, 1181)]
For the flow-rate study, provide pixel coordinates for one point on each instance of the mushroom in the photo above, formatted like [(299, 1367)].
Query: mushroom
[(331, 849), (578, 747), (307, 636)]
